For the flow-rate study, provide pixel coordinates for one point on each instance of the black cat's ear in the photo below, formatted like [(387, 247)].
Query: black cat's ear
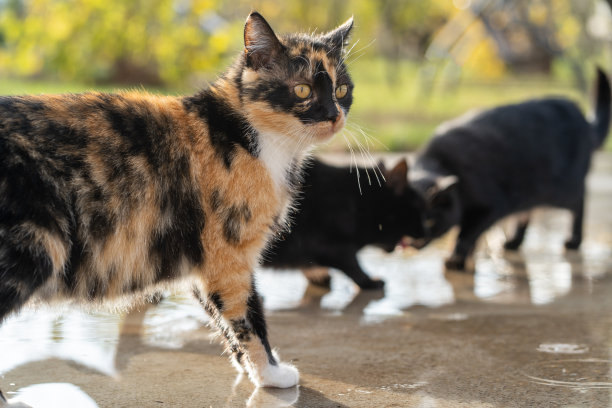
[(260, 43), (338, 38), (397, 178)]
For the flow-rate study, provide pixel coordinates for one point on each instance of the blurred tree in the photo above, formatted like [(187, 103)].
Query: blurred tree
[(527, 35), (140, 41), (168, 41)]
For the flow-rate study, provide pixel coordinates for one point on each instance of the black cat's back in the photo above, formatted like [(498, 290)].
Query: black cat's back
[(484, 166), (538, 147)]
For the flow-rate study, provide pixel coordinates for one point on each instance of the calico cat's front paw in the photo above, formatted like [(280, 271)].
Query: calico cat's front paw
[(455, 263), (282, 375)]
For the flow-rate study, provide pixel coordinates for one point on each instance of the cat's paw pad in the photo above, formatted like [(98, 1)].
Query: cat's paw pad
[(455, 263), (282, 375), (372, 284)]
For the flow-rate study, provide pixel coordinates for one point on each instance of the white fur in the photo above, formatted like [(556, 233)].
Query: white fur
[(277, 152), (282, 375)]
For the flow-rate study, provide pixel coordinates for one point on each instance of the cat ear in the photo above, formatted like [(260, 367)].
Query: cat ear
[(339, 37), (397, 178), (261, 45)]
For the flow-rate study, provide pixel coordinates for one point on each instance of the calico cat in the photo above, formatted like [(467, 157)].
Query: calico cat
[(103, 196), (483, 167), (336, 217)]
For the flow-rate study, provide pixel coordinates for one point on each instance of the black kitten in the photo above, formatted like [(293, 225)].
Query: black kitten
[(480, 168), (335, 218)]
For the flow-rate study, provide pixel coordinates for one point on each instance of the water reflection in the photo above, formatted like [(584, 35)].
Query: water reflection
[(51, 395), (72, 335), (540, 274), (580, 374), (533, 276)]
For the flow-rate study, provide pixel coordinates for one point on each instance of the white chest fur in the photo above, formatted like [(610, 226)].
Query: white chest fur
[(279, 153)]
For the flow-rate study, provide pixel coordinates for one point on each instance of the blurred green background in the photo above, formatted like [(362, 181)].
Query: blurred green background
[(415, 63)]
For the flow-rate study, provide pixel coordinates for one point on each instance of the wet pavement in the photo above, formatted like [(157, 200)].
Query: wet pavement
[(532, 328)]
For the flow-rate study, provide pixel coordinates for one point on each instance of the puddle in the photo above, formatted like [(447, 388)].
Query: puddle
[(561, 348), (91, 339), (166, 324), (450, 317), (580, 374), (51, 395), (86, 339), (404, 386), (281, 289)]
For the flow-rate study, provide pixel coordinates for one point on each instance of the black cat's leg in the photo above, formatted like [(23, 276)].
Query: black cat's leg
[(521, 227), (578, 217), (346, 261), (473, 224), (237, 311)]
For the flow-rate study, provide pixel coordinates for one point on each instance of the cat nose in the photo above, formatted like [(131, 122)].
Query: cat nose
[(333, 116)]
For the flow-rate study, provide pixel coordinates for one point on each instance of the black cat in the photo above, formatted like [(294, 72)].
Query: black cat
[(336, 217), (482, 167)]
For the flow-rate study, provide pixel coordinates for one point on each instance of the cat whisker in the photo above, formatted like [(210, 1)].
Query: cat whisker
[(348, 52), (367, 155), (353, 159), (364, 154), (369, 141)]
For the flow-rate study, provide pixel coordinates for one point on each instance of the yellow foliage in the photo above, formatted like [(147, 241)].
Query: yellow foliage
[(538, 13), (569, 32)]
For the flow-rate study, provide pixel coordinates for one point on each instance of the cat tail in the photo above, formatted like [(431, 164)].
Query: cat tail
[(602, 108)]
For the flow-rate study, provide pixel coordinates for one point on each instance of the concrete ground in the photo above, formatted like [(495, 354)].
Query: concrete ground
[(528, 329)]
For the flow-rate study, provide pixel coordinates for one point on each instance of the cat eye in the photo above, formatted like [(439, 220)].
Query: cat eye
[(302, 91), (341, 91)]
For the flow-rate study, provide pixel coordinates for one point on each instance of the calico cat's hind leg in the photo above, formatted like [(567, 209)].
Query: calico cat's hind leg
[(521, 227), (578, 216), (237, 311), (24, 267)]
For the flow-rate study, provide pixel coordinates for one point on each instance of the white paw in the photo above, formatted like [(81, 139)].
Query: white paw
[(282, 375)]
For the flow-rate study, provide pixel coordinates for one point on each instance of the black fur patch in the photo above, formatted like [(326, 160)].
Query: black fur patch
[(23, 269), (215, 299), (182, 237), (228, 129), (242, 330), (235, 216), (215, 200), (96, 288), (255, 315)]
